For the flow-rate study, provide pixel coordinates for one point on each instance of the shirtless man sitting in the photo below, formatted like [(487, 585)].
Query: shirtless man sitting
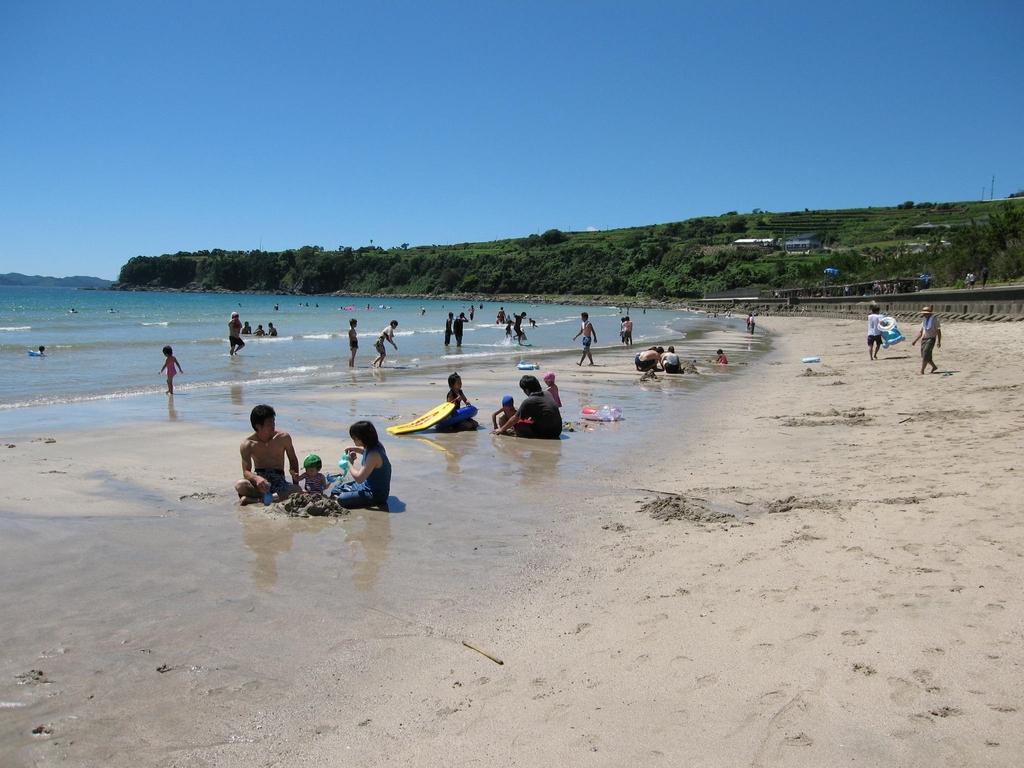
[(263, 455)]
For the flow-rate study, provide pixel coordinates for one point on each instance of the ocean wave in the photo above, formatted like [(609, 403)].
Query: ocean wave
[(15, 327), (509, 353), (295, 369), (163, 323), (180, 387), (318, 336)]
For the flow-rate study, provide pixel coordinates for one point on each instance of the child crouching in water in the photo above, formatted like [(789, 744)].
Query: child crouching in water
[(312, 479), (503, 414), (722, 359), (549, 379), (170, 364)]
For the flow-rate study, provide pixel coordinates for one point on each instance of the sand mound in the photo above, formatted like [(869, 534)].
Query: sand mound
[(311, 505), (676, 507)]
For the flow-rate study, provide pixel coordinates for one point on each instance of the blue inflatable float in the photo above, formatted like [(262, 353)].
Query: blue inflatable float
[(459, 414), (890, 333)]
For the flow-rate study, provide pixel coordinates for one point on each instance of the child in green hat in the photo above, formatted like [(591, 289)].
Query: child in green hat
[(315, 482)]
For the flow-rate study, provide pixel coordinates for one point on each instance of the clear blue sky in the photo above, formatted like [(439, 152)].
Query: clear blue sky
[(132, 127)]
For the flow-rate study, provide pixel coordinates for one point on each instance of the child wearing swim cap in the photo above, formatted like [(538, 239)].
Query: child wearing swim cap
[(549, 379), (503, 414), (313, 480)]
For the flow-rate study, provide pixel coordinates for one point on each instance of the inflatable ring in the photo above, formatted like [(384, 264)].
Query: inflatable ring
[(886, 323), (604, 413)]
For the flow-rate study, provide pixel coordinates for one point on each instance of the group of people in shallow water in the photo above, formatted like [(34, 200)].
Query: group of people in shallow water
[(265, 452), (237, 329), (538, 415), (248, 331)]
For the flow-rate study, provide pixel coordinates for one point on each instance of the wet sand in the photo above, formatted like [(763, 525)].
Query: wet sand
[(862, 607)]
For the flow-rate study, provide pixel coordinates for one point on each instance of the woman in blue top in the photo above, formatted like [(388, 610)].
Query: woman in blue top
[(371, 481)]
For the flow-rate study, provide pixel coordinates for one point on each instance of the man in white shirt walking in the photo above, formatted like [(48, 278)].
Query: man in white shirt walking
[(874, 333)]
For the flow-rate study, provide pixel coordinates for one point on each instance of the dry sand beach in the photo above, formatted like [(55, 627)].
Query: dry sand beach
[(785, 565)]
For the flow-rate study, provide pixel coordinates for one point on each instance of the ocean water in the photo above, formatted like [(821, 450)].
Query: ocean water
[(106, 345)]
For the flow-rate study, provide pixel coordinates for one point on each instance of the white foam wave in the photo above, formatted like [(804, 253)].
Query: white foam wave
[(318, 336), (464, 355), (295, 369), (163, 323), (269, 377), (15, 327)]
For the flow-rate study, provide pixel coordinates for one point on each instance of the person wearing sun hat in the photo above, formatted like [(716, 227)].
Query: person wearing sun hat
[(930, 337)]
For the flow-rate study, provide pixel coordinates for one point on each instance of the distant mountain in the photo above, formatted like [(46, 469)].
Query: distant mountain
[(77, 281)]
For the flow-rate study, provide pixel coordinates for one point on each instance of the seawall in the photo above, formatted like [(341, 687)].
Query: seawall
[(995, 304)]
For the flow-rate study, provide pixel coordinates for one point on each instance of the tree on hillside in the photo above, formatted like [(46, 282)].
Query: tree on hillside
[(553, 237)]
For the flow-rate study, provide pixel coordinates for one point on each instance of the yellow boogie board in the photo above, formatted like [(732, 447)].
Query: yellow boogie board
[(426, 421)]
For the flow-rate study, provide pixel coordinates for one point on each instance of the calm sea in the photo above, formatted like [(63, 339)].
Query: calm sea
[(106, 345)]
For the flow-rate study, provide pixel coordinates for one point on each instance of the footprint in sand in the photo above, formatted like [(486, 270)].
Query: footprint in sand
[(903, 692), (705, 681), (852, 637), (1002, 708), (653, 620), (799, 740), (945, 712)]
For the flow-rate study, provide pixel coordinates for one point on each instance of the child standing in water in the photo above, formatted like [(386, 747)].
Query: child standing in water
[(353, 343), (549, 379), (170, 364)]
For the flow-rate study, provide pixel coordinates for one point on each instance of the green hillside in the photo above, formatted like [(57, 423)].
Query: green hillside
[(674, 259), (75, 281)]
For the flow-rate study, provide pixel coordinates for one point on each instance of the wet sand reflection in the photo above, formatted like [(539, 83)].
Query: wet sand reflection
[(367, 532)]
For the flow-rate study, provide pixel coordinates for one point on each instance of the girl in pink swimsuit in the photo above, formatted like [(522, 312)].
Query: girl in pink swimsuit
[(172, 366)]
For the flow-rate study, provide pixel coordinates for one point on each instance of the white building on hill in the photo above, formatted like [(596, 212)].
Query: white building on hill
[(803, 243)]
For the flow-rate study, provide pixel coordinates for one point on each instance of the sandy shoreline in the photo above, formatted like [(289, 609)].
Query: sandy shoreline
[(876, 620)]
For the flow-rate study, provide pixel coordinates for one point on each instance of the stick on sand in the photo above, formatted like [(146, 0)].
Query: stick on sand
[(495, 659)]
